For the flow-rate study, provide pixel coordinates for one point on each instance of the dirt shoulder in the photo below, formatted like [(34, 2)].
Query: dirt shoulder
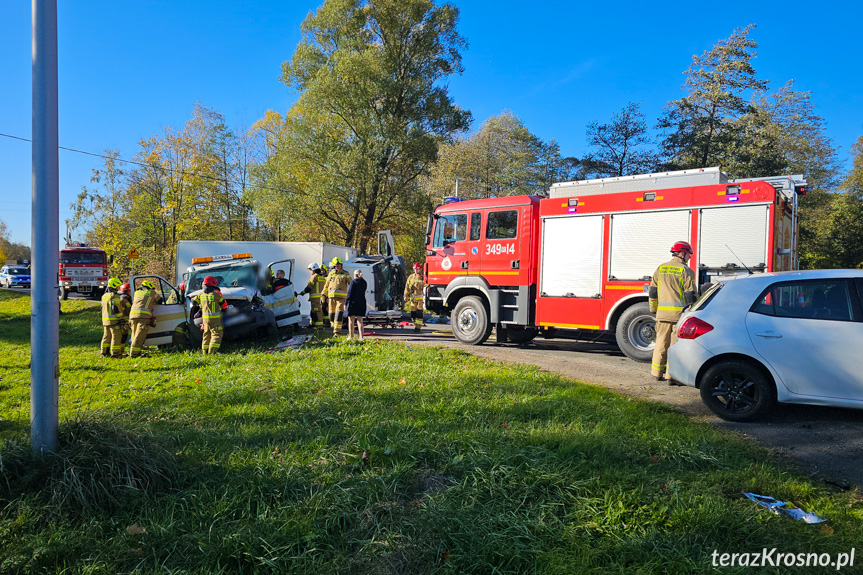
[(824, 442)]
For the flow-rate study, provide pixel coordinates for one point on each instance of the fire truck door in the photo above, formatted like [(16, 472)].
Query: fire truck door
[(170, 314), (453, 252), (501, 247)]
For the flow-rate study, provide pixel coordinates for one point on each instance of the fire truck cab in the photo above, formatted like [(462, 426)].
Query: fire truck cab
[(582, 258), (83, 269)]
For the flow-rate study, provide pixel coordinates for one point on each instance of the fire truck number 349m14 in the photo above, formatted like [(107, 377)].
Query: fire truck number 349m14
[(581, 258)]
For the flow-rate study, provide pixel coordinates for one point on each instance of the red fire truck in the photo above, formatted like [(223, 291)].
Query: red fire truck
[(83, 269), (582, 257)]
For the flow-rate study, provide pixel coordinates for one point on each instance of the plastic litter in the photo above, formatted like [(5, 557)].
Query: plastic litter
[(778, 507)]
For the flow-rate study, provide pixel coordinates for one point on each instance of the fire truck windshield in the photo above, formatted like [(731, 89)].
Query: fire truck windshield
[(70, 257), (450, 229)]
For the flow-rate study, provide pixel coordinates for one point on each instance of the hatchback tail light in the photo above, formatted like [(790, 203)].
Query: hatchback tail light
[(693, 327)]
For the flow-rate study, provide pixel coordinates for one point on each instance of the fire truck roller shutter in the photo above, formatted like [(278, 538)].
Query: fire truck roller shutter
[(733, 235), (572, 256), (640, 241)]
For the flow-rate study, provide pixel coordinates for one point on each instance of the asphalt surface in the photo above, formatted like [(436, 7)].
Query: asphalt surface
[(824, 442)]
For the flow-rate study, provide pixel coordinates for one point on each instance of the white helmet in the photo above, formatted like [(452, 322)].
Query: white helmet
[(314, 267)]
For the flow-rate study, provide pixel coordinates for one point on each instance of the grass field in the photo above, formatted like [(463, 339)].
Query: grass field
[(372, 458)]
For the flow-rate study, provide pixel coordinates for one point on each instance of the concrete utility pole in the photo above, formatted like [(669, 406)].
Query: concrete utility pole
[(45, 236)]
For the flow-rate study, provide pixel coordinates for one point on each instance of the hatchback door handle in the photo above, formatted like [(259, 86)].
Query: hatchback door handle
[(769, 334)]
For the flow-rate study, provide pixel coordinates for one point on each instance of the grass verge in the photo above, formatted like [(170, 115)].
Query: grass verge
[(347, 458)]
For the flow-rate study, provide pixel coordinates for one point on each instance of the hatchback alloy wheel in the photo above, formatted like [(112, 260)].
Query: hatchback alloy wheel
[(737, 390)]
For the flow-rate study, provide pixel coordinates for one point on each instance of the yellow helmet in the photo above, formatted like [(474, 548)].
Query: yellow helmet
[(148, 284), (335, 262), (114, 283)]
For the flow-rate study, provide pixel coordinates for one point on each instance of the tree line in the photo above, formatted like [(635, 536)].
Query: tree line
[(10, 250), (375, 141)]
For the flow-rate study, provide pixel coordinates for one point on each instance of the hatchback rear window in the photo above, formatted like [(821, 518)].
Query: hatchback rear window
[(707, 295)]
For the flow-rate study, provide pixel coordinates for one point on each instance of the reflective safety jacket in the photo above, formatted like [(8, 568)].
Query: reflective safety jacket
[(143, 302), (211, 305), (671, 289), (414, 287), (114, 308), (315, 286), (336, 287)]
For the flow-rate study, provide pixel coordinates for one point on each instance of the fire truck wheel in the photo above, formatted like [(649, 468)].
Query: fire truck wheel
[(521, 334), (470, 321), (64, 294), (636, 333)]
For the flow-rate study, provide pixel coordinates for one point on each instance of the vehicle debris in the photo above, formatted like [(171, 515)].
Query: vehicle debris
[(293, 343), (778, 507)]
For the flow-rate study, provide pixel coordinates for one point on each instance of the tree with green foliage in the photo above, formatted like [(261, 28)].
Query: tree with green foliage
[(372, 109), (621, 145), (701, 129), (10, 250), (183, 184), (842, 240), (502, 158)]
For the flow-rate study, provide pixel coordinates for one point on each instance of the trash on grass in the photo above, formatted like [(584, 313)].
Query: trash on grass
[(293, 344), (778, 507)]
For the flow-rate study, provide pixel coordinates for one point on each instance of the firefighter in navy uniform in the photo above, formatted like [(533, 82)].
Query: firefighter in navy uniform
[(141, 317), (671, 289), (414, 295), (314, 289), (212, 304), (336, 289), (114, 310)]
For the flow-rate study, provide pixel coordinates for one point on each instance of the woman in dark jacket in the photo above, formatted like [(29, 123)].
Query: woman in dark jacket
[(356, 304)]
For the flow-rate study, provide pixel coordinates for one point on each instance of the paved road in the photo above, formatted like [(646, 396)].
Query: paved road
[(824, 442)]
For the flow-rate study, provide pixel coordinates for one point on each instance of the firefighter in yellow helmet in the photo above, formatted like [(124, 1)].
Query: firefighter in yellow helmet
[(414, 295), (336, 288), (212, 303), (671, 289), (141, 317), (114, 310), (314, 289)]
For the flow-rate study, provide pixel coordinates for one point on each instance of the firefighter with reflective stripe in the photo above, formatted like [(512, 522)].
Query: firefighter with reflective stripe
[(314, 288), (414, 295), (671, 289), (114, 310), (141, 317), (125, 293), (325, 273), (336, 288), (212, 303)]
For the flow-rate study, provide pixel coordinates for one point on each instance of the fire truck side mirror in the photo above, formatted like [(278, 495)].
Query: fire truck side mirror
[(110, 260)]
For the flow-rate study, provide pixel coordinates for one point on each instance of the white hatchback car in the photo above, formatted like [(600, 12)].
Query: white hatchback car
[(792, 337)]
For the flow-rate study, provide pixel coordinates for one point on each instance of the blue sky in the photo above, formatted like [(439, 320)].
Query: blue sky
[(129, 69)]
